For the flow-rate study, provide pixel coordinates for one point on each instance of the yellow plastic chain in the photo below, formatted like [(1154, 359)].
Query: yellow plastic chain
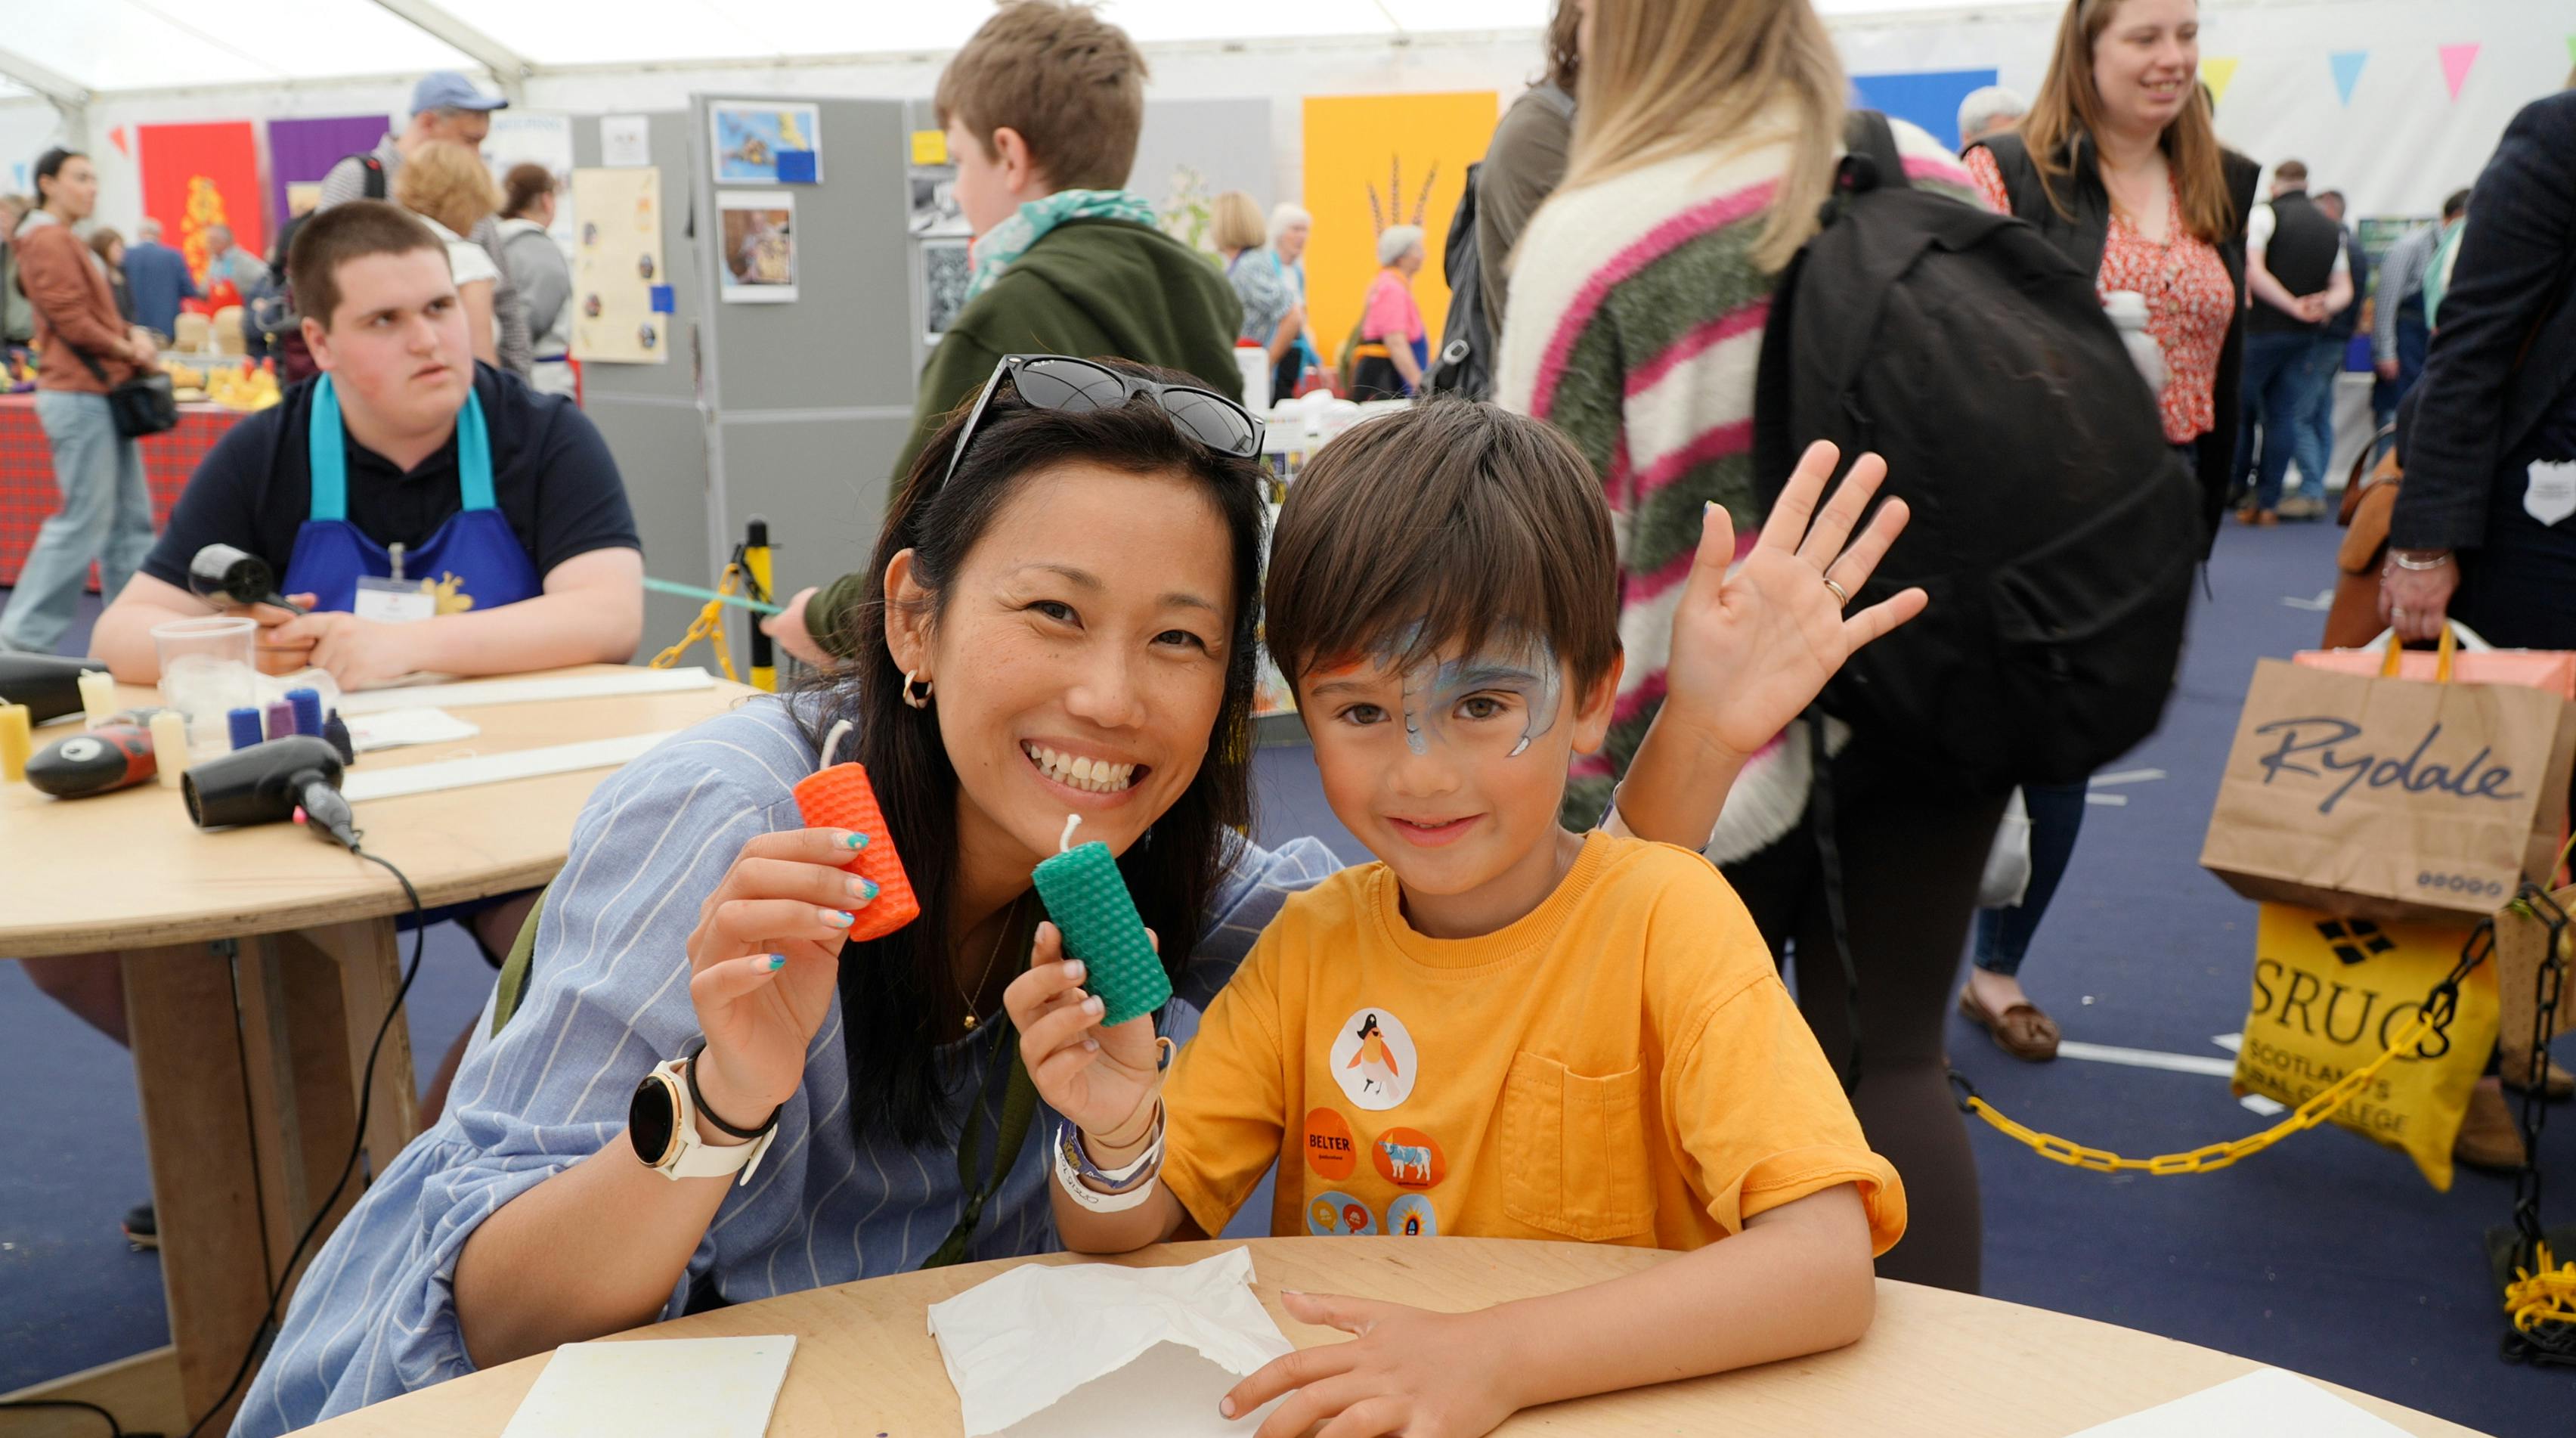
[(708, 625), (2543, 1293), (2216, 1155)]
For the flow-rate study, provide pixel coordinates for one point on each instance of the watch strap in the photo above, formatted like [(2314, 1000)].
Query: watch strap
[(693, 1157)]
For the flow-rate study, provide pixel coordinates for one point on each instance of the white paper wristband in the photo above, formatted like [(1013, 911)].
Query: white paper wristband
[(1068, 1178)]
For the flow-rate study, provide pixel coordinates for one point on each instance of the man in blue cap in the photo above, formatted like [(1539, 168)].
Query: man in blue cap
[(444, 106)]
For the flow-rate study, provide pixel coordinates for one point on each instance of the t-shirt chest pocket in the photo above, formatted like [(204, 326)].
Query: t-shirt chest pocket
[(1574, 1150)]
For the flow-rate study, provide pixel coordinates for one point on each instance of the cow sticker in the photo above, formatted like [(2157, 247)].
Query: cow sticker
[(1374, 1060), (1408, 1158)]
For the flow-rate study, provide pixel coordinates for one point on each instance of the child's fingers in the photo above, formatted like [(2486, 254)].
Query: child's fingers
[(730, 980), (1351, 1315), (1369, 1418), (1313, 1374)]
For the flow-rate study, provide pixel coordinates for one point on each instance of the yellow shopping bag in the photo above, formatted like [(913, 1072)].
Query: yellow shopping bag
[(2329, 996)]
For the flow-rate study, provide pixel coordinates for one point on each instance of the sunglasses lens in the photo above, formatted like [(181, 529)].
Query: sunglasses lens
[(1210, 420), (1068, 384)]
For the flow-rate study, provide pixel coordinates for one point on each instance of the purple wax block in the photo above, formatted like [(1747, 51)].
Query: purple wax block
[(281, 719)]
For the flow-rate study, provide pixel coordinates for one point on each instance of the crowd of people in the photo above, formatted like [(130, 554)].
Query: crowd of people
[(1603, 635)]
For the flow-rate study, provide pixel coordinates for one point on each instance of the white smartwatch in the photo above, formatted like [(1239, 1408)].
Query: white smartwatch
[(662, 1123)]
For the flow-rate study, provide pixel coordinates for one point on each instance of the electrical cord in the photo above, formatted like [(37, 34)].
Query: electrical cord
[(261, 1336), (104, 1416)]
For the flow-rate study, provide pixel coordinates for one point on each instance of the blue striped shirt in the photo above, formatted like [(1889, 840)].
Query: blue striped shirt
[(608, 998)]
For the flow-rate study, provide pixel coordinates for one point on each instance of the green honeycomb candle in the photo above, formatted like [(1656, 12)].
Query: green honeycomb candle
[(1088, 900)]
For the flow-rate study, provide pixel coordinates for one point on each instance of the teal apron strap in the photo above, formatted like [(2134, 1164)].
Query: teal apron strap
[(328, 450), (473, 454), (1019, 1106)]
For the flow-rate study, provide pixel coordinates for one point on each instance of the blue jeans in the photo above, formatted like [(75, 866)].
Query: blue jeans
[(2317, 440), (106, 516), (2056, 817), (2277, 394)]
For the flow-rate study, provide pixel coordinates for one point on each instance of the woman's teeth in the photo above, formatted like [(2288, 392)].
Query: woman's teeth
[(1098, 776)]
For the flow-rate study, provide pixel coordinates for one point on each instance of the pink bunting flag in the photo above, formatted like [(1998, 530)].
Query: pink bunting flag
[(2456, 60), (116, 137)]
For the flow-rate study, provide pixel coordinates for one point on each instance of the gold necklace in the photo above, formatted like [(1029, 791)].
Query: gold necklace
[(1009, 916)]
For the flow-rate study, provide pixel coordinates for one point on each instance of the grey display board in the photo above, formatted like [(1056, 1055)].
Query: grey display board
[(1216, 145), (809, 401), (649, 413)]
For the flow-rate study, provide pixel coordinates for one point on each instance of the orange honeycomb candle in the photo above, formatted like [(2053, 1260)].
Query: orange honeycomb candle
[(839, 797)]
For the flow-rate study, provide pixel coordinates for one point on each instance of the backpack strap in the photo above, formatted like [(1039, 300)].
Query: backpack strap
[(1867, 133)]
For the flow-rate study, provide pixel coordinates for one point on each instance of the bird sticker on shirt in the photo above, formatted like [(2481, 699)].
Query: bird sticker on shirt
[(1374, 1060)]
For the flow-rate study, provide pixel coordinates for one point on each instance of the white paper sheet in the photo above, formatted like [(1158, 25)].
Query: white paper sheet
[(396, 728), (364, 784), (525, 691), (1139, 1350), (704, 1387), (2266, 1403)]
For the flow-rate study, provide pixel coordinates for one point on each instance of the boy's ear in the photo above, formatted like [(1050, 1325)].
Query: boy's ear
[(1592, 720), (1019, 165), (907, 615)]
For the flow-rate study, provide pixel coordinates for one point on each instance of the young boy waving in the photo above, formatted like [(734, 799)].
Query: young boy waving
[(1500, 1029)]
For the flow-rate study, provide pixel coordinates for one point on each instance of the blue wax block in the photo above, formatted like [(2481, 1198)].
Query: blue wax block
[(664, 301), (796, 167)]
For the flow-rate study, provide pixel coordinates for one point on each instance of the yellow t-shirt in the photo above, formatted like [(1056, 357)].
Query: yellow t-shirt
[(1622, 1065)]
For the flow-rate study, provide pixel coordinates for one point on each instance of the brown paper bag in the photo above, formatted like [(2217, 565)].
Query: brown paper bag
[(2392, 799)]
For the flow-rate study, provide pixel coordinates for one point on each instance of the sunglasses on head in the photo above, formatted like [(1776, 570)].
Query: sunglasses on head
[(1078, 386)]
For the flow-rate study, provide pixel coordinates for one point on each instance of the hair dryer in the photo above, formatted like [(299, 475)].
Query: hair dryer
[(269, 782), (48, 686), (234, 577)]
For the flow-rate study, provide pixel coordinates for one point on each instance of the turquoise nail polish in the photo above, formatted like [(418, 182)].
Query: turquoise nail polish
[(839, 918), (855, 840), (867, 889), (777, 962)]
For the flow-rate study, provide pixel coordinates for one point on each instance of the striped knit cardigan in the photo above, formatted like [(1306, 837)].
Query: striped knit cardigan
[(1636, 322)]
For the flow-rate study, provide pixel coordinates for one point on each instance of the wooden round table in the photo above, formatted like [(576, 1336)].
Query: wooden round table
[(292, 940), (1935, 1363)]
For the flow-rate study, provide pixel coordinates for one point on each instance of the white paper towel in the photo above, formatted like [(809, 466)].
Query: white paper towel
[(1017, 1344), (2266, 1403)]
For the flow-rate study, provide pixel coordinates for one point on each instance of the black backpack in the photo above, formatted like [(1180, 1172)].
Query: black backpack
[(294, 361), (2053, 527), (1464, 363)]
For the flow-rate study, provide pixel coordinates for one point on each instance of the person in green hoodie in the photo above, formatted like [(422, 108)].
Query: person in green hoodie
[(1042, 109)]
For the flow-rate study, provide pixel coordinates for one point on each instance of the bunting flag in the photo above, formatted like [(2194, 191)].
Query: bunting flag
[(116, 137), (2218, 72), (200, 175), (2347, 71), (2456, 60)]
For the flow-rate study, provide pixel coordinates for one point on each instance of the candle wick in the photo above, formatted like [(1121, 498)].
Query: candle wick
[(1071, 821), (832, 742)]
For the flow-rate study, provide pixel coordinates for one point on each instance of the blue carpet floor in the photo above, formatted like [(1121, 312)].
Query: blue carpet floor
[(2327, 1255)]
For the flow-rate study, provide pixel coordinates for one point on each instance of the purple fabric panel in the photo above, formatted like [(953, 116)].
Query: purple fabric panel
[(307, 149)]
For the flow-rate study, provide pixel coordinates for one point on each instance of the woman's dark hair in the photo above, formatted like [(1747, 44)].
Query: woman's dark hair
[(526, 184), (898, 998), (1564, 58), (49, 165)]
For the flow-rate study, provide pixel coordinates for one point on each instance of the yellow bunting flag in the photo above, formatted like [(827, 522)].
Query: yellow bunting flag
[(2218, 72)]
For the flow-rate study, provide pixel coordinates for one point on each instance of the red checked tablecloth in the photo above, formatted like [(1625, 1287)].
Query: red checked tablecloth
[(28, 495)]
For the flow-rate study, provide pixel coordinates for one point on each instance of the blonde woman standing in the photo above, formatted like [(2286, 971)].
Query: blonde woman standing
[(1706, 137), (446, 184), (1274, 314)]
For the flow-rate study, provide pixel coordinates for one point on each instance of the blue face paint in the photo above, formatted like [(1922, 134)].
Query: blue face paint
[(1515, 666)]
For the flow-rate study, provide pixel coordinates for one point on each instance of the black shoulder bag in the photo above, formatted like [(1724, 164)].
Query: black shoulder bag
[(142, 405)]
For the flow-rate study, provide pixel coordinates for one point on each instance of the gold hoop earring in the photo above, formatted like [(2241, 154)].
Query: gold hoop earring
[(916, 692)]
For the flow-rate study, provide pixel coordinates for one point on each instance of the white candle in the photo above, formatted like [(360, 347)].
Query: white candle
[(98, 696), (170, 746)]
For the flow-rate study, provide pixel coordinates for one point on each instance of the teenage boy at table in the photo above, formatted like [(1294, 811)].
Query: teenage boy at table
[(510, 511), (1501, 1029), (1042, 108)]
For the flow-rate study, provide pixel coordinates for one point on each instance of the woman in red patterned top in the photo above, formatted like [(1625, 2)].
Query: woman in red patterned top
[(2118, 165)]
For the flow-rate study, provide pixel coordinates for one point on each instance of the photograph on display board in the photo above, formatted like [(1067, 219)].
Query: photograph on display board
[(616, 263), (758, 233), (1373, 162), (751, 136), (934, 202), (946, 265), (535, 137)]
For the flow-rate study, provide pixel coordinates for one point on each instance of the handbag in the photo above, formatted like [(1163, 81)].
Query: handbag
[(143, 405)]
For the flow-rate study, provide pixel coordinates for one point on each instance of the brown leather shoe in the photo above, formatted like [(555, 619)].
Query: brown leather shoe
[(2022, 1030), (2488, 1138), (2556, 1086)]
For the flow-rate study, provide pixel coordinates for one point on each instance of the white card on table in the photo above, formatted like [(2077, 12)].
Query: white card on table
[(2266, 1403), (704, 1387), (2552, 495), (394, 728)]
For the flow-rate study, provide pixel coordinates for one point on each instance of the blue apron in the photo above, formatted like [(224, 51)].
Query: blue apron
[(474, 561)]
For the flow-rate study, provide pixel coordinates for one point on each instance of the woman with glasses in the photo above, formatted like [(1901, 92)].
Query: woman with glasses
[(709, 1092)]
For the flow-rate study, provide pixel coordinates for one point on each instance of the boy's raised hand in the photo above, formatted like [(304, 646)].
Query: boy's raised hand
[(1752, 649), (1097, 1077), (1409, 1371)]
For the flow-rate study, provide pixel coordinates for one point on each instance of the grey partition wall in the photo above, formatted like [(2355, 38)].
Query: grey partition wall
[(809, 401), (649, 413)]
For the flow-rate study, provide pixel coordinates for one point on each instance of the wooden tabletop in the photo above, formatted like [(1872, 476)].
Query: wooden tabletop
[(127, 870), (1935, 1363)]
